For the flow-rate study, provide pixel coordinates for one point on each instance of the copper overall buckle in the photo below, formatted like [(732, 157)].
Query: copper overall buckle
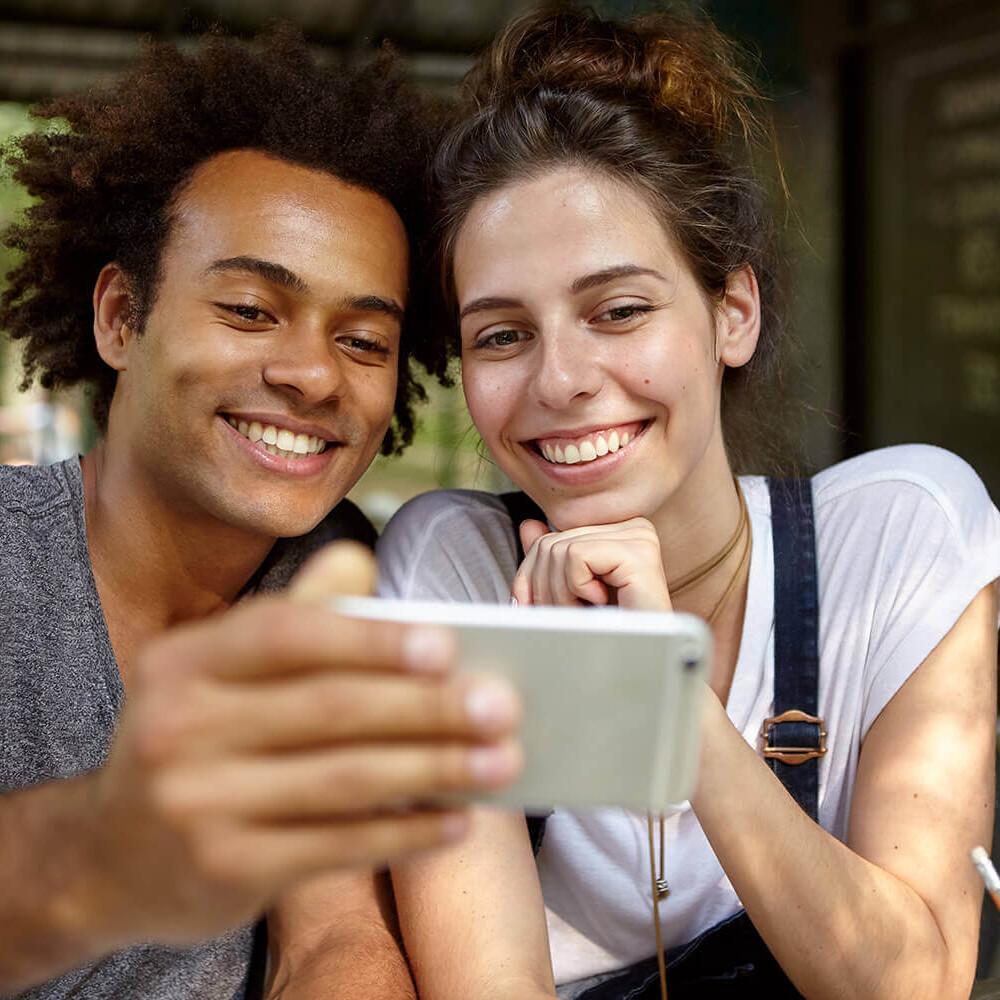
[(792, 755)]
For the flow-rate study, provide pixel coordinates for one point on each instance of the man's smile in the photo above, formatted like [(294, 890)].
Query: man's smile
[(278, 440)]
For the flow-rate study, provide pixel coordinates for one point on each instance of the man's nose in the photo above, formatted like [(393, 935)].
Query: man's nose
[(567, 368), (307, 364)]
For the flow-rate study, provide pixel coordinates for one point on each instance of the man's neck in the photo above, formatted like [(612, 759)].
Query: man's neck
[(156, 566)]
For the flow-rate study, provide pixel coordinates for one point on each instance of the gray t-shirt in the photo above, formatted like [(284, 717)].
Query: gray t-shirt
[(61, 693)]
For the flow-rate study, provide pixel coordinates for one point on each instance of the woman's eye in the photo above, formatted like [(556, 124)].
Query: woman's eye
[(619, 314), (502, 338)]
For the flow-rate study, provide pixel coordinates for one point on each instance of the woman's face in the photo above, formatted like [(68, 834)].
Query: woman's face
[(589, 353)]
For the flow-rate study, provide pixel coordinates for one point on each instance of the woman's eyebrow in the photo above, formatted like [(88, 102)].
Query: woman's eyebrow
[(588, 281), (481, 305), (580, 285)]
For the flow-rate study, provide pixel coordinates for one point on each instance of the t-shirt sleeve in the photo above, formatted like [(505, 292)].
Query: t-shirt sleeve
[(924, 540), (451, 545)]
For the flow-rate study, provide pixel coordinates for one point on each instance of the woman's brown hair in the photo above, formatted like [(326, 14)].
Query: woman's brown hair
[(663, 104)]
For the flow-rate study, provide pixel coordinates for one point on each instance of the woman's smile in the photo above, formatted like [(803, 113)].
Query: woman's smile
[(584, 447)]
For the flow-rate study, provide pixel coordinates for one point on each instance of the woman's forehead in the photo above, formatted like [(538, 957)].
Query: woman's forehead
[(558, 227)]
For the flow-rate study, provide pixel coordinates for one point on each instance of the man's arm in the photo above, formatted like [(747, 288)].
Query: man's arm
[(336, 936), (257, 748)]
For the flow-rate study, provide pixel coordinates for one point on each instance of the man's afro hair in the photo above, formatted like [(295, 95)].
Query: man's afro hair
[(104, 186)]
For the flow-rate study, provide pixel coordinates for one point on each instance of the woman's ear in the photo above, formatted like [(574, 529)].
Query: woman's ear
[(112, 312), (738, 318)]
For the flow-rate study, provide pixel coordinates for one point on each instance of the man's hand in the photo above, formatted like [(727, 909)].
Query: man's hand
[(269, 743), (584, 565)]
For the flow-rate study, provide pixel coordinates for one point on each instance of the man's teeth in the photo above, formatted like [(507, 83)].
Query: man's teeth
[(279, 441), (586, 450)]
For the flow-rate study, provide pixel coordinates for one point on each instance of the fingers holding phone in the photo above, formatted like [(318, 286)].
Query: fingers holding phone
[(278, 740)]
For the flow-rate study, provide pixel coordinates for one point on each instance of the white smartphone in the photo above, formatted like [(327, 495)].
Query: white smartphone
[(612, 698)]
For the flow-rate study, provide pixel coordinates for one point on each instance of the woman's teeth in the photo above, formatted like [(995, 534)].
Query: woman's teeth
[(586, 450), (278, 440)]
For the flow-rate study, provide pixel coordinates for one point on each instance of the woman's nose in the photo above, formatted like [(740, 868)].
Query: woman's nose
[(567, 369)]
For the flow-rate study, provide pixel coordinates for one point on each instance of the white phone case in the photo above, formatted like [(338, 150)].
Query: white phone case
[(612, 698)]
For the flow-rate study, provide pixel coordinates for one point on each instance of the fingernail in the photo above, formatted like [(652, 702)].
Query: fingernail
[(429, 650), (492, 765), (513, 601), (492, 705)]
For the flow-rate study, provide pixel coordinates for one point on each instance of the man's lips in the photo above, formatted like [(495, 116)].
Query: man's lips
[(581, 447), (287, 439)]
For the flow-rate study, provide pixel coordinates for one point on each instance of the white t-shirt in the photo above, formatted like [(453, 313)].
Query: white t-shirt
[(905, 538)]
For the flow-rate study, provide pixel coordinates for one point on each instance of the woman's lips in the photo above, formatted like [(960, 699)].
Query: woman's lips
[(587, 446)]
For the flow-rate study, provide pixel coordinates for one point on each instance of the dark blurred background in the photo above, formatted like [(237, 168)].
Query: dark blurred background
[(888, 114), (889, 122)]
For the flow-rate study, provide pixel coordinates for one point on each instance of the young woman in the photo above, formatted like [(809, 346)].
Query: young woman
[(607, 254)]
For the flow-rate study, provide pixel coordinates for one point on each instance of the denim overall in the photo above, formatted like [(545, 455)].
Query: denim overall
[(730, 959)]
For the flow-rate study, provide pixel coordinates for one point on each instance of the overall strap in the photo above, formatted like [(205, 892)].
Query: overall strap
[(522, 508), (794, 738)]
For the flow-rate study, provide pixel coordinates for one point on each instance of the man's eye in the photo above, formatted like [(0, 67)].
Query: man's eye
[(247, 313), (365, 346)]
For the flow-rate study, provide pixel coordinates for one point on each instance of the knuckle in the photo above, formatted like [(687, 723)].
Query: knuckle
[(349, 783), (454, 770), (180, 799), (335, 701), (269, 630), (218, 857), (161, 737)]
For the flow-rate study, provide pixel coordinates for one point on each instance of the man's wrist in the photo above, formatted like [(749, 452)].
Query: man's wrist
[(51, 914)]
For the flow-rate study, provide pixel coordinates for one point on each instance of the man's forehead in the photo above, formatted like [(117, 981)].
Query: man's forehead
[(246, 203)]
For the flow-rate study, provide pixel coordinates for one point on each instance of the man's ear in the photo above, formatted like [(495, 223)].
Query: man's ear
[(738, 318), (112, 312)]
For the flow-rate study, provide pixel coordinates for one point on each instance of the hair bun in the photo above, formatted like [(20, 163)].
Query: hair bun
[(672, 63)]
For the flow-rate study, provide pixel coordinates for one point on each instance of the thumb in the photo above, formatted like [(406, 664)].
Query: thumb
[(531, 531), (338, 568)]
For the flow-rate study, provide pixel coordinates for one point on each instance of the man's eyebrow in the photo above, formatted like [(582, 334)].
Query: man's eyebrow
[(277, 274), (376, 304), (610, 274)]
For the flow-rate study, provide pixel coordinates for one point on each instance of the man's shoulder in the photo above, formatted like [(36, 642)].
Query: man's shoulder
[(344, 521), (36, 489)]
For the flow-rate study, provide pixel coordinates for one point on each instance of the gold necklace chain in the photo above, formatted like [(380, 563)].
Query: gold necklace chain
[(699, 573), (659, 887)]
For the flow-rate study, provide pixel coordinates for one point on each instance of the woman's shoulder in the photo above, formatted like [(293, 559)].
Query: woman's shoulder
[(449, 544), (935, 471), (453, 512), (892, 484)]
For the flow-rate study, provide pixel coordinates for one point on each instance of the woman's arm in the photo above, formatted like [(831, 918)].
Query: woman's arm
[(895, 912), (335, 936), (472, 916)]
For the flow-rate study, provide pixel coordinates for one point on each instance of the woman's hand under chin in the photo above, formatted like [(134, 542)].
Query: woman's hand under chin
[(587, 565)]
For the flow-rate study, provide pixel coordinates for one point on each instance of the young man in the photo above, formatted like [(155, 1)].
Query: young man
[(219, 251)]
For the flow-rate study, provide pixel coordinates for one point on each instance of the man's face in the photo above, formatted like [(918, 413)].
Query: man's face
[(265, 378)]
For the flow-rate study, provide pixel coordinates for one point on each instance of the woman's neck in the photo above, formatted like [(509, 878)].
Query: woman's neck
[(705, 537)]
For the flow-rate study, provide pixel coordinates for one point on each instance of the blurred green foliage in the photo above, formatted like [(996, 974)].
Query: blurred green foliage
[(14, 121)]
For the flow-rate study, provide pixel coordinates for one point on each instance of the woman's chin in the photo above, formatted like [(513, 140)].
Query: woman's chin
[(566, 514)]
